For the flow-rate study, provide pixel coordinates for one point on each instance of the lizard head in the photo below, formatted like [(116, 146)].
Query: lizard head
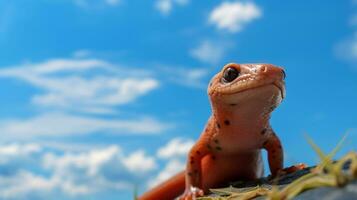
[(256, 84)]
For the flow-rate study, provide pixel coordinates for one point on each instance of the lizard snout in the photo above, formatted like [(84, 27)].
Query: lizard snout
[(272, 71)]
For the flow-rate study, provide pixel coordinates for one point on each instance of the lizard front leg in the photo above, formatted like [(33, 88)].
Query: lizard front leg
[(276, 156), (275, 153), (193, 173)]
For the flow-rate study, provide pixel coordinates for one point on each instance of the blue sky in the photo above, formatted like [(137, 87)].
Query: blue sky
[(99, 96)]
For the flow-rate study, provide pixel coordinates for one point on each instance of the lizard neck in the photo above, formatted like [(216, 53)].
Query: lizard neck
[(238, 118)]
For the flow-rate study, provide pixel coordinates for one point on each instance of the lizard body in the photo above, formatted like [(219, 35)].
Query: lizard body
[(242, 98)]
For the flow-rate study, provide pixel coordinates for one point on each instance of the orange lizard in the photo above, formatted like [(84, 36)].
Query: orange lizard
[(242, 99)]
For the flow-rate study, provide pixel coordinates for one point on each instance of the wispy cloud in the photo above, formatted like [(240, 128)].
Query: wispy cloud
[(346, 49), (71, 90), (165, 6), (209, 51), (82, 53), (82, 84), (6, 18), (61, 124), (17, 149), (233, 16), (113, 2), (189, 77), (96, 3)]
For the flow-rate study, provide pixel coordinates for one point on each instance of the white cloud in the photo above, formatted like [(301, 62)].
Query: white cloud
[(71, 174), (138, 162), (175, 148), (98, 169), (189, 77), (70, 89), (14, 155), (61, 124), (209, 52), (353, 20), (16, 149), (7, 16), (175, 153), (86, 85), (91, 160), (347, 49), (194, 78), (83, 172), (23, 185), (165, 6), (82, 53), (172, 167), (233, 16), (96, 3), (51, 66), (113, 2)]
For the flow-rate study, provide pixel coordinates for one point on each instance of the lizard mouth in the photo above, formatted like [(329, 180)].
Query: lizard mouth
[(281, 88), (277, 85), (238, 87)]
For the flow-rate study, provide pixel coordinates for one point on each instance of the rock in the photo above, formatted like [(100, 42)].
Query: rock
[(347, 192)]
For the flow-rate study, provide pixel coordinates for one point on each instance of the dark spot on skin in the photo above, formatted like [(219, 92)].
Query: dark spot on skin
[(226, 122), (191, 158), (263, 131), (191, 162), (198, 152), (218, 125), (265, 143), (233, 104), (210, 84), (279, 146), (213, 157), (209, 146), (218, 148), (190, 173), (216, 141), (273, 151), (195, 171)]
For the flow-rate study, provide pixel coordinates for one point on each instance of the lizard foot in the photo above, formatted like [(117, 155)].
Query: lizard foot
[(291, 169), (294, 168), (191, 194), (288, 170)]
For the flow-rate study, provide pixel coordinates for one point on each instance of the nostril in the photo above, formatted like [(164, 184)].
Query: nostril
[(263, 69), (284, 74)]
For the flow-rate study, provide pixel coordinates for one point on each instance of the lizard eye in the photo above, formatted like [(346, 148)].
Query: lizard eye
[(230, 74)]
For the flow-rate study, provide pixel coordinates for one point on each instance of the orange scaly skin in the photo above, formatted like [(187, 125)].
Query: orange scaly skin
[(229, 147)]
